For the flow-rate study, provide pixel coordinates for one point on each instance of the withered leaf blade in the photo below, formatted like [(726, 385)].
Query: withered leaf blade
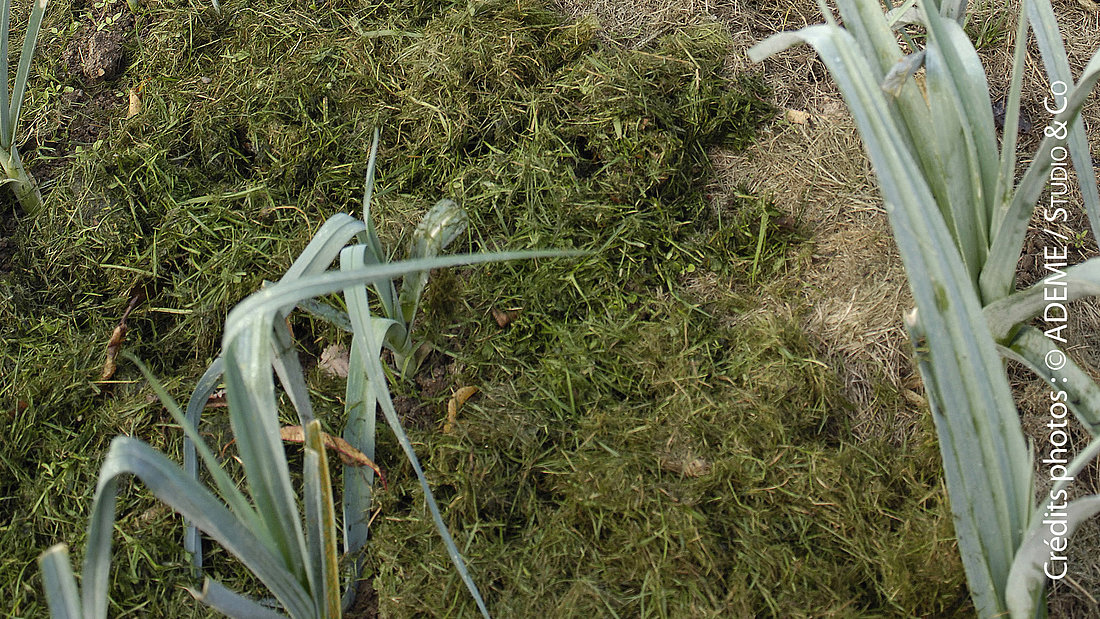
[(335, 361), (349, 455), (456, 401), (504, 317), (797, 117), (135, 104), (118, 338), (110, 364)]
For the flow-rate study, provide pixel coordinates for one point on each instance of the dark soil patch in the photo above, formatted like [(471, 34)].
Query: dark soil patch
[(84, 117), (7, 245), (366, 602), (423, 408), (92, 112), (91, 61)]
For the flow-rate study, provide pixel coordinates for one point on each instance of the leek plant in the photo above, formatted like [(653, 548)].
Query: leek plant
[(959, 217), (298, 564), (23, 184)]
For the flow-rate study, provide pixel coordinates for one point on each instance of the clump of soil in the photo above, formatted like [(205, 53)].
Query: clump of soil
[(90, 114), (96, 52), (103, 59)]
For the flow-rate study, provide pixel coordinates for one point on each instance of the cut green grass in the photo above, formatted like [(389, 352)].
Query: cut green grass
[(647, 440), (657, 473)]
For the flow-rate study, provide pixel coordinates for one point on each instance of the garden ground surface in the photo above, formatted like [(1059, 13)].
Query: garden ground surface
[(711, 413)]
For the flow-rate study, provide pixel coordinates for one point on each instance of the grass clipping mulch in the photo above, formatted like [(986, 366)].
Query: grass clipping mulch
[(510, 93), (632, 449)]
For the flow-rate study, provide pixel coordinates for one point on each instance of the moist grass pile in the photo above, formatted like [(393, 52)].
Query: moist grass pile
[(648, 440)]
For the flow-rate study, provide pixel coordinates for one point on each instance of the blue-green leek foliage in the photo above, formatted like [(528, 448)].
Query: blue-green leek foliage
[(22, 183), (959, 217), (296, 558)]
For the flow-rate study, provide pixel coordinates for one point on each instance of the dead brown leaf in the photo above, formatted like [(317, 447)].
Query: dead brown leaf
[(349, 455), (135, 104), (20, 406), (335, 361), (913, 397), (797, 117), (457, 400), (118, 338), (504, 317)]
